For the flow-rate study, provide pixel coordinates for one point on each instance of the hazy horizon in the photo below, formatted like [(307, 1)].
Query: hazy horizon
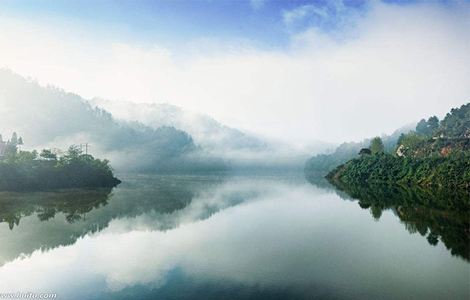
[(293, 71)]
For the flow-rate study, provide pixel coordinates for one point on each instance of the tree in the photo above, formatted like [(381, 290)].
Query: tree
[(22, 171), (26, 156), (73, 152), (433, 239), (433, 124), (376, 212), (410, 143), (422, 127), (20, 141), (14, 139), (456, 123), (376, 145), (11, 150), (48, 155), (429, 127)]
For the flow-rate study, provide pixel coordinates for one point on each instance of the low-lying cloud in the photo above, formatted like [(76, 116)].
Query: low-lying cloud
[(396, 65)]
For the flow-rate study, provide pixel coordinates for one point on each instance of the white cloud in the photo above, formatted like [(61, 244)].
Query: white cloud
[(403, 63), (298, 13), (329, 14)]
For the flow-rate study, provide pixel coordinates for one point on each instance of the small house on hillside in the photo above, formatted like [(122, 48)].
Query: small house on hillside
[(365, 151)]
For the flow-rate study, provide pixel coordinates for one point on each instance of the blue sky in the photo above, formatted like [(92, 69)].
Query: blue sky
[(173, 23)]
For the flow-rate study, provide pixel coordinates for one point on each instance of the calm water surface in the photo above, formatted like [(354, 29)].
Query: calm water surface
[(237, 237)]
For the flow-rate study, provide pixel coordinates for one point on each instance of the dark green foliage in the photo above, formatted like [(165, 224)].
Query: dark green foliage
[(434, 138), (440, 215), (422, 147), (452, 171), (410, 143), (376, 146), (22, 171), (73, 203), (426, 182), (429, 127), (365, 151), (421, 159), (456, 123), (88, 209), (322, 164)]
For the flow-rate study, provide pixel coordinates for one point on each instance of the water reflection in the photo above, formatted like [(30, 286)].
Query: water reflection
[(45, 220), (237, 238), (74, 204), (436, 214)]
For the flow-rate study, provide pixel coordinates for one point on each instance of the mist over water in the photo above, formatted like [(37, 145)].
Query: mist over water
[(237, 150), (147, 138), (245, 236)]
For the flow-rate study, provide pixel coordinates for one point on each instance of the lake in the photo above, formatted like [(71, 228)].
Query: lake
[(228, 237)]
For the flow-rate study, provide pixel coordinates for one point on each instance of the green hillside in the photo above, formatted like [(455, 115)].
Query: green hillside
[(437, 153)]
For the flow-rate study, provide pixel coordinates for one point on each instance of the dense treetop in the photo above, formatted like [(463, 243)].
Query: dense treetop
[(456, 123), (27, 170), (437, 153)]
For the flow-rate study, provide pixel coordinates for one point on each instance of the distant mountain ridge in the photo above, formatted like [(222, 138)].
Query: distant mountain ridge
[(134, 137), (239, 149), (206, 131), (48, 116)]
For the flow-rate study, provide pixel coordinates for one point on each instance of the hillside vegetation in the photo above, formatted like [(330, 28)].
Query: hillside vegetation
[(437, 153), (320, 165)]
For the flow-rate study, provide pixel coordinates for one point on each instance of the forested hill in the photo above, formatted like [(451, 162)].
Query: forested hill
[(32, 171), (49, 117), (206, 131), (243, 150), (437, 153), (320, 165)]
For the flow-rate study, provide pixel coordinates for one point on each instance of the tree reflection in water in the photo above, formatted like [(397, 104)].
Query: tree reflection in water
[(45, 220), (437, 214), (74, 204)]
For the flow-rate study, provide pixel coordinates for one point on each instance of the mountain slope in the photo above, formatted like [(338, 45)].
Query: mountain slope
[(205, 130), (50, 117), (240, 149)]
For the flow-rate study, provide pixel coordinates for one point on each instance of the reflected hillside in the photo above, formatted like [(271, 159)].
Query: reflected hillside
[(438, 215), (32, 221), (74, 205), (45, 220)]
